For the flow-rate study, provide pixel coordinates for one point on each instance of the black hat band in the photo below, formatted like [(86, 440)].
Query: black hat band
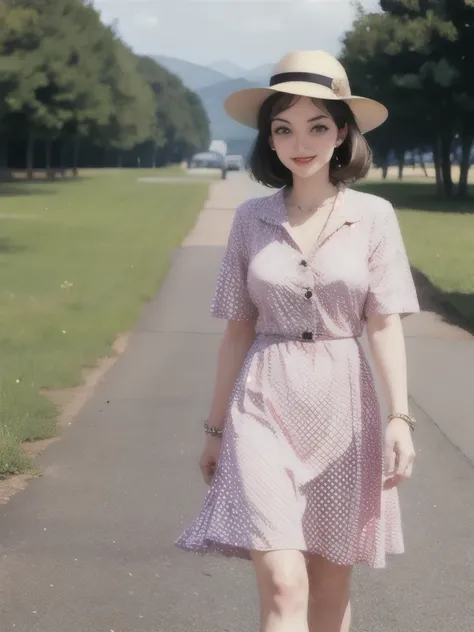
[(309, 77)]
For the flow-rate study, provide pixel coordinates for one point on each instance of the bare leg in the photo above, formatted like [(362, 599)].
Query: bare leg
[(282, 579), (329, 608)]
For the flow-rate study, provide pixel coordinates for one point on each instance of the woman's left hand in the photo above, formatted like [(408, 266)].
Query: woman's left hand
[(399, 453)]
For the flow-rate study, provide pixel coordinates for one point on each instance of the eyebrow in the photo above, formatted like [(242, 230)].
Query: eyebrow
[(311, 120)]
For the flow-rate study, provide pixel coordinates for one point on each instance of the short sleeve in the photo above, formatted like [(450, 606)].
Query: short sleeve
[(391, 286), (231, 298)]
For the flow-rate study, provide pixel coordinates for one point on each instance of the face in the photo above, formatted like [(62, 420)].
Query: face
[(304, 137)]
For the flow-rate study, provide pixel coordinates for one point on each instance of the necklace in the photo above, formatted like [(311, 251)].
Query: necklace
[(309, 209), (327, 219), (316, 244)]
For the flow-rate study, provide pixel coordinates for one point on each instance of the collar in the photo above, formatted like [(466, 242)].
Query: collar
[(346, 211)]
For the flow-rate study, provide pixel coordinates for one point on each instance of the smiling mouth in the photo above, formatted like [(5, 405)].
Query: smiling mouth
[(303, 160)]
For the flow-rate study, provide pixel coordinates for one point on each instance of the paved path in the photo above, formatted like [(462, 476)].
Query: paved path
[(88, 547)]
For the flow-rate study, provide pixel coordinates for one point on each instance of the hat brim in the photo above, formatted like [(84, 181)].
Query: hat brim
[(244, 105)]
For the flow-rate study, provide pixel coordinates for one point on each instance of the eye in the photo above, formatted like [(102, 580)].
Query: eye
[(281, 130), (320, 128)]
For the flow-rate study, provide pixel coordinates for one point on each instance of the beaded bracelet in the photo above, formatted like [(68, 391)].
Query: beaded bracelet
[(212, 430), (409, 419)]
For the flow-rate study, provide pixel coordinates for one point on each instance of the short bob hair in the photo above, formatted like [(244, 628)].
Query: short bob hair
[(351, 160)]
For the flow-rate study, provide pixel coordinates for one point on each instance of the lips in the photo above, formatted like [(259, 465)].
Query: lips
[(304, 160)]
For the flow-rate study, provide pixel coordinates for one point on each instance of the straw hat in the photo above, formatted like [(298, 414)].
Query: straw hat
[(315, 74)]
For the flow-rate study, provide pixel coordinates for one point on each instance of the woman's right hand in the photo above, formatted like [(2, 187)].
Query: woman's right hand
[(209, 458)]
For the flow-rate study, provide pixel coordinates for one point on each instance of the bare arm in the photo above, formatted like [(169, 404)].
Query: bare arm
[(387, 344), (388, 348), (237, 339)]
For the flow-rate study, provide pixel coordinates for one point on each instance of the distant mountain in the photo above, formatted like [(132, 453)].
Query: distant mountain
[(213, 85), (196, 76), (228, 68), (222, 126), (192, 75), (260, 75)]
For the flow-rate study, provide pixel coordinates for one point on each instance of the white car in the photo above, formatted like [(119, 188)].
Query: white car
[(207, 160), (234, 163)]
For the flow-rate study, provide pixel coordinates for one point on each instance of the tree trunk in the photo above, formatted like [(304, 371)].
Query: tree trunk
[(30, 155), (153, 157), (75, 160), (62, 158), (438, 171), (466, 146), (119, 159), (3, 155), (384, 165), (401, 164), (446, 164), (422, 164), (49, 146), (4, 171)]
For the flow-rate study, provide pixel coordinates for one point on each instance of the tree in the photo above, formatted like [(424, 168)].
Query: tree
[(367, 57), (133, 113), (418, 54), (181, 125), (92, 51), (13, 22), (67, 79), (435, 61), (461, 56), (56, 85)]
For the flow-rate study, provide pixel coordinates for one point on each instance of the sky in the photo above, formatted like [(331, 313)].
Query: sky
[(248, 33)]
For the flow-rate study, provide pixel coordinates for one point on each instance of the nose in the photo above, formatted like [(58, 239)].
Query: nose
[(300, 144)]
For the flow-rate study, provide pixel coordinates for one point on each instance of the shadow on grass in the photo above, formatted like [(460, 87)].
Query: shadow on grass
[(454, 307), (9, 247), (416, 195), (8, 189), (18, 186), (17, 182)]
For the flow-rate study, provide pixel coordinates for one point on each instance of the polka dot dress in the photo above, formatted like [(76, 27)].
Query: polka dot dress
[(301, 465)]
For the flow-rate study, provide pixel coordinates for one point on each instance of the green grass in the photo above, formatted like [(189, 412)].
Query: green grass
[(77, 261), (439, 236)]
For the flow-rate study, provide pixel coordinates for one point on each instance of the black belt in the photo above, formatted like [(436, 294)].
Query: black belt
[(308, 336)]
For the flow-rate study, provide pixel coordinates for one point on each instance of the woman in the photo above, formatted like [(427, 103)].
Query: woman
[(294, 453)]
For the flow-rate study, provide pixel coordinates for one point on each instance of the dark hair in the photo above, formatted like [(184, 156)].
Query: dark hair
[(351, 160)]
